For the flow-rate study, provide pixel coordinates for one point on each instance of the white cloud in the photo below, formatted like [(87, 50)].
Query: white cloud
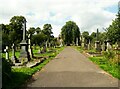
[(89, 15)]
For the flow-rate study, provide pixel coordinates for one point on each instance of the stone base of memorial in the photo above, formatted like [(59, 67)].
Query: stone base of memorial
[(24, 54)]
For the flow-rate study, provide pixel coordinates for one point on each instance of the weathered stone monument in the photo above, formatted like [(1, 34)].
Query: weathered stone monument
[(104, 46), (97, 42), (13, 58), (83, 41), (109, 47), (77, 41), (24, 54), (61, 42), (30, 47), (89, 45)]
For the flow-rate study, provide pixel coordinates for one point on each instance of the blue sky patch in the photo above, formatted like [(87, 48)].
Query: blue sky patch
[(113, 9)]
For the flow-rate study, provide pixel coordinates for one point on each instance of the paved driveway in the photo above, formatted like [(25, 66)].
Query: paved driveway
[(72, 69)]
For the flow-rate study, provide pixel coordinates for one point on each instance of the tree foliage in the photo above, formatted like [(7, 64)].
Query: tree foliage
[(86, 36), (47, 29), (113, 31), (12, 32), (70, 33)]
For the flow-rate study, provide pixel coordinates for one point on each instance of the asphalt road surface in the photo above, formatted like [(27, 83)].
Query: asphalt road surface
[(70, 68)]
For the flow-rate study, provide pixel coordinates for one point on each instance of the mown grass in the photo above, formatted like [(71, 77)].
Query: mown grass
[(17, 54), (112, 69), (20, 75)]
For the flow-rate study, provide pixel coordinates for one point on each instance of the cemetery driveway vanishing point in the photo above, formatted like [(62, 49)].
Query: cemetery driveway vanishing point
[(72, 69)]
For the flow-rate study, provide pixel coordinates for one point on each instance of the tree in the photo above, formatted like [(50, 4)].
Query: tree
[(16, 33), (31, 31), (93, 37), (102, 37), (5, 36), (113, 31), (70, 32), (38, 30), (86, 36), (47, 30), (39, 39)]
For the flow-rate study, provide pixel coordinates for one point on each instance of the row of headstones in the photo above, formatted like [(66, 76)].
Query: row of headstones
[(14, 59), (98, 47), (26, 50)]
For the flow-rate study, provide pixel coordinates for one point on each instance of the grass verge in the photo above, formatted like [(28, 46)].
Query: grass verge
[(18, 76), (112, 69)]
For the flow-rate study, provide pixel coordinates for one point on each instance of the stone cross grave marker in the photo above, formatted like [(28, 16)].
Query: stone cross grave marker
[(7, 53)]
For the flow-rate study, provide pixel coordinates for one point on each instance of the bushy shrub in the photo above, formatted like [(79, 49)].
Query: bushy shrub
[(109, 54)]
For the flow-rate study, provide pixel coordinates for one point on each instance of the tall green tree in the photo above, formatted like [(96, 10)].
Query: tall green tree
[(16, 32), (86, 36), (31, 31), (5, 36), (70, 33), (38, 30), (113, 31), (47, 30)]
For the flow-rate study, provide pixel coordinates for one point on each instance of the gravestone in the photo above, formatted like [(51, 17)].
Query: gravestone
[(109, 47), (13, 58), (104, 46), (83, 42), (97, 42), (77, 41), (30, 47), (89, 45), (24, 54), (7, 53), (61, 43)]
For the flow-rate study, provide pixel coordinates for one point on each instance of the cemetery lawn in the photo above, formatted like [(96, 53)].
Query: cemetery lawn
[(111, 68), (19, 76)]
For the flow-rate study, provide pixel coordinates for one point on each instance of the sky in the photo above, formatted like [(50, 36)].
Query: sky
[(88, 14)]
